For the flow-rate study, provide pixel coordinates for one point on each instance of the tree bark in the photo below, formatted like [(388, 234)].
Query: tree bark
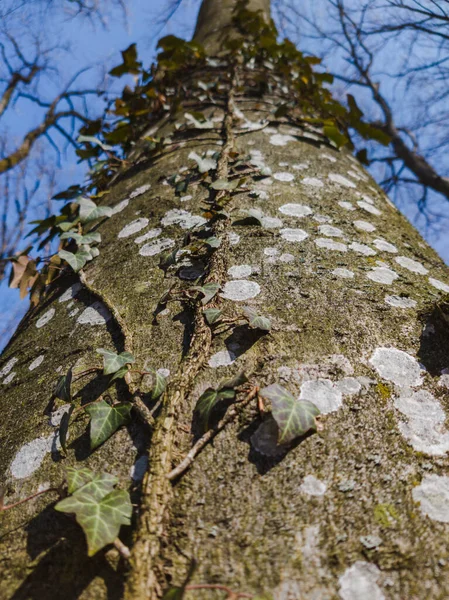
[(357, 510)]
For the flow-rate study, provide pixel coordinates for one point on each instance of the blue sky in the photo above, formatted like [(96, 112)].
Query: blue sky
[(99, 48)]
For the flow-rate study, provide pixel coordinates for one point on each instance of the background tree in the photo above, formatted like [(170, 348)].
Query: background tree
[(393, 57), (229, 272)]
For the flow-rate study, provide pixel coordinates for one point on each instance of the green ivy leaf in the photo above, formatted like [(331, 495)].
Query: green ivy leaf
[(120, 373), (205, 405), (89, 211), (255, 320), (90, 238), (77, 478), (99, 517), (174, 593), (213, 242), (224, 184), (76, 261), (113, 362), (212, 315), (234, 382), (160, 383), (105, 420), (209, 291), (293, 417), (64, 428), (334, 135), (62, 389), (130, 63)]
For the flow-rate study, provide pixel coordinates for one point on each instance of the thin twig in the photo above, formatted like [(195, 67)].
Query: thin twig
[(208, 436)]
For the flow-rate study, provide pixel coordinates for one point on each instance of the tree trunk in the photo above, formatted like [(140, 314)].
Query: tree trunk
[(357, 510)]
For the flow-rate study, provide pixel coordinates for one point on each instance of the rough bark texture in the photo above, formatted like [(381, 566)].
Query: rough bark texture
[(351, 290), (214, 23)]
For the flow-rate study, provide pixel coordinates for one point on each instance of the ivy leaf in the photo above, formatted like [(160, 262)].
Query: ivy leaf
[(293, 417), (255, 320), (213, 242), (62, 389), (76, 261), (224, 184), (113, 362), (105, 420), (167, 259), (100, 518), (209, 291), (205, 405), (239, 379), (77, 478), (119, 374), (130, 63), (89, 211), (212, 315), (64, 428), (160, 383), (93, 237), (174, 593), (334, 135)]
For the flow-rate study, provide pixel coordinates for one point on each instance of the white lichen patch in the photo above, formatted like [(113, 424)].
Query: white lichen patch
[(349, 386), (328, 157), (439, 285), (323, 393), (424, 428), (185, 198), (70, 293), (364, 226), (36, 362), (311, 486), (8, 367), (362, 249), (149, 235), (240, 289), (233, 238), (293, 235), (369, 208), (359, 582), (296, 210), (300, 166), (270, 222), (400, 302), (284, 176), (223, 358), (29, 458), (240, 271), (330, 231), (336, 178), (312, 182), (95, 314), (46, 317), (271, 251), (346, 205), (331, 245), (385, 246), (382, 275), (164, 372), (322, 219), (279, 139), (411, 265), (140, 190), (56, 415), (156, 247), (287, 258), (397, 366), (183, 218), (343, 273), (120, 206), (9, 378), (367, 199), (133, 227), (433, 497)]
